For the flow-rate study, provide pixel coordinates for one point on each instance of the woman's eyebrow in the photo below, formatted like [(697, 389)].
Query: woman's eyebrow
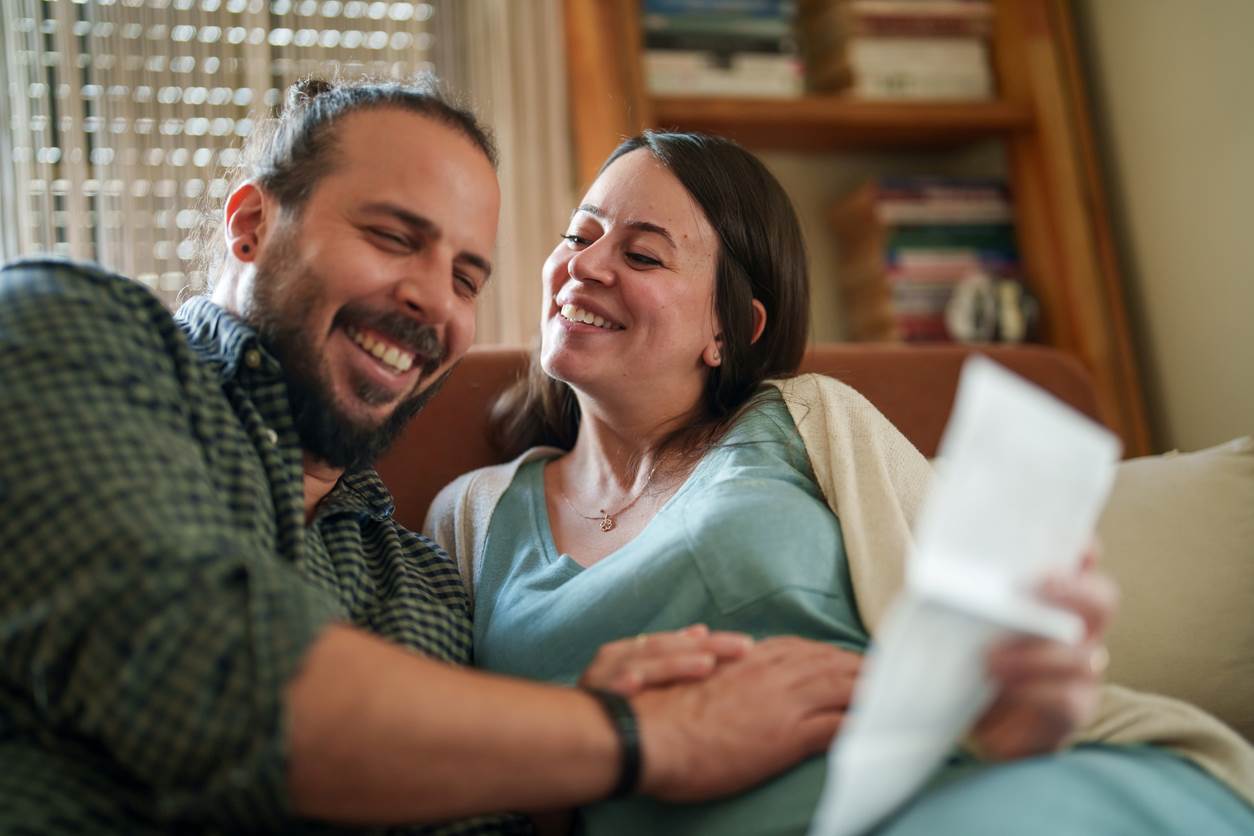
[(644, 226)]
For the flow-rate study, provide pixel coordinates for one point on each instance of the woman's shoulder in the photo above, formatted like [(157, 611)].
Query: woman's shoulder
[(803, 391), (762, 448), (477, 490), (764, 418)]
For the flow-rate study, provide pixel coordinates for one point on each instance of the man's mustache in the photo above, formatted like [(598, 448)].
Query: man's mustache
[(417, 337)]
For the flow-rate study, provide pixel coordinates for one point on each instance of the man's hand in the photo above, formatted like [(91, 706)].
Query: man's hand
[(1048, 690), (650, 660), (751, 718)]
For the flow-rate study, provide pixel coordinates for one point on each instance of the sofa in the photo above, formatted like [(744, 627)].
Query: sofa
[(1178, 531)]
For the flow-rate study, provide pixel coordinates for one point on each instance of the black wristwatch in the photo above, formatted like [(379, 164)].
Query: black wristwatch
[(623, 718)]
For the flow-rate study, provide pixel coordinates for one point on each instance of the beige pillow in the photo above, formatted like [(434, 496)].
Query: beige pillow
[(1178, 535)]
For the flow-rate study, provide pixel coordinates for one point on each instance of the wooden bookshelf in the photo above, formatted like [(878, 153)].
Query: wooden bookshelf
[(1041, 117), (825, 123)]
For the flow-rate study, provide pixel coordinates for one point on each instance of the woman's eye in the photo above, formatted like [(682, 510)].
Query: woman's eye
[(644, 260), (575, 240)]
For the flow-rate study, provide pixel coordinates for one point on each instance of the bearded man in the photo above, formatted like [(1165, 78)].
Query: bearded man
[(209, 621)]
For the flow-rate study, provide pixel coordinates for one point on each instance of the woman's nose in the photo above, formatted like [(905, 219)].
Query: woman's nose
[(593, 263)]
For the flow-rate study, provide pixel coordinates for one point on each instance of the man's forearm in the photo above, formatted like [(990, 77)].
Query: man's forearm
[(378, 735)]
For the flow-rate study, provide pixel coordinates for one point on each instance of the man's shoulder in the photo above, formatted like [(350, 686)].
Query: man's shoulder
[(48, 275), (47, 287), (46, 283), (417, 545)]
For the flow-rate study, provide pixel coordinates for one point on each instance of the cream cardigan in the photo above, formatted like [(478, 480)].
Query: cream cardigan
[(874, 480)]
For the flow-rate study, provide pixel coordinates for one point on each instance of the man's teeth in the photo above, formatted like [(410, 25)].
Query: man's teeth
[(577, 314), (400, 361)]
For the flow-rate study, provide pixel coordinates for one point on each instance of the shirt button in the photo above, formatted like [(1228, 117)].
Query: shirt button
[(252, 358), (272, 438)]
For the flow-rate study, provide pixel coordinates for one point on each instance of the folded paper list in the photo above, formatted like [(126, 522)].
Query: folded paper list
[(1019, 486)]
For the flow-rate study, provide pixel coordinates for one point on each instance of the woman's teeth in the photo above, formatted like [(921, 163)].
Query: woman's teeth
[(577, 314), (390, 355)]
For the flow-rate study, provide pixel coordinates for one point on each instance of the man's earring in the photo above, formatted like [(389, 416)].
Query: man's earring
[(242, 248)]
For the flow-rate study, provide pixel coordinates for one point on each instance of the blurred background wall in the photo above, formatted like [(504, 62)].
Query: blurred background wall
[(1172, 89)]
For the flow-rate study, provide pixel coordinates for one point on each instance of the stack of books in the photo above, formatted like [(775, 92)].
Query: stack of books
[(930, 259), (721, 48), (898, 49)]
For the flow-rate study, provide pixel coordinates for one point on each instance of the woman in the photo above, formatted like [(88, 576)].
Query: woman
[(676, 488)]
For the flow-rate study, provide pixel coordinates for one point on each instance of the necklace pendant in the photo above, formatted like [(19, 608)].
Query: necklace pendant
[(607, 523)]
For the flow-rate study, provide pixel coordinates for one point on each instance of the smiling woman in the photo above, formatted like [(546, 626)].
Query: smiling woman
[(662, 481), (716, 226)]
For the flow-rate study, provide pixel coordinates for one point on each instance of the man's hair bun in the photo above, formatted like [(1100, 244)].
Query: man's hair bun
[(305, 91)]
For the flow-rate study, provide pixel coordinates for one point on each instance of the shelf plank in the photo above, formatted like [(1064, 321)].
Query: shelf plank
[(819, 123)]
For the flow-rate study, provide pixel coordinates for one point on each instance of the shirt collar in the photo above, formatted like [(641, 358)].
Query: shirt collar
[(219, 336), (359, 492)]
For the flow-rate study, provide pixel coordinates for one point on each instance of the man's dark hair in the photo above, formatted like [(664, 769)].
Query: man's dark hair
[(290, 154)]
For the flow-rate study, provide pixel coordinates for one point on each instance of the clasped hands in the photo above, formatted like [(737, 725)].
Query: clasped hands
[(787, 696)]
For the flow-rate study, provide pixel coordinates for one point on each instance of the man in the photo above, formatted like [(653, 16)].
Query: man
[(209, 622)]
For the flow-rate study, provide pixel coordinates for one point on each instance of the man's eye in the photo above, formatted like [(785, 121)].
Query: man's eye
[(390, 237), (468, 285), (575, 240)]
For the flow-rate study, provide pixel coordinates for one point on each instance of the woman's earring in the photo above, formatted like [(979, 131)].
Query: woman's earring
[(242, 248)]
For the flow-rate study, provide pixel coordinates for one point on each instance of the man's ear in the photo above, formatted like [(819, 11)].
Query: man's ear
[(245, 222), (759, 321)]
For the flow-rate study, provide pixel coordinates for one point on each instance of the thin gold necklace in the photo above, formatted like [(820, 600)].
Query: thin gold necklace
[(605, 519)]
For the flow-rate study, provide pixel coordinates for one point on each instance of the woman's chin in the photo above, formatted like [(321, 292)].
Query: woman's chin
[(569, 366)]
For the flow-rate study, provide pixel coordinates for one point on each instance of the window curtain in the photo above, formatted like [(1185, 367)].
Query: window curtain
[(508, 58), (123, 118)]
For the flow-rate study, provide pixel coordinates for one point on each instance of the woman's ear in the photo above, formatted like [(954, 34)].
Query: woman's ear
[(712, 356), (245, 221), (759, 320)]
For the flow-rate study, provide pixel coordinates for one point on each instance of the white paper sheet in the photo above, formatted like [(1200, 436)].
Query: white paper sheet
[(1020, 483)]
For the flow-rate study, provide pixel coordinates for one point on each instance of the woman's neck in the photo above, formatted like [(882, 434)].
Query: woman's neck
[(616, 451), (613, 481)]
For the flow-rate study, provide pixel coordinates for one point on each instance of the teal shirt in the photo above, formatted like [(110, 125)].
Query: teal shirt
[(747, 543)]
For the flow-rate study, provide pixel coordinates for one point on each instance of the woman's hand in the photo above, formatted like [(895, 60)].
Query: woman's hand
[(1048, 689), (628, 666), (750, 719)]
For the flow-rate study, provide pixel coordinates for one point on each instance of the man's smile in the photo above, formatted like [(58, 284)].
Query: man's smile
[(385, 351)]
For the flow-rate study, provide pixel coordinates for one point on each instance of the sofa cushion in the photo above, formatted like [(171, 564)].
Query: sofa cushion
[(1178, 535)]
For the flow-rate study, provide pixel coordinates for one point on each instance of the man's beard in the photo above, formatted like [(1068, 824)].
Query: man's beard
[(283, 298)]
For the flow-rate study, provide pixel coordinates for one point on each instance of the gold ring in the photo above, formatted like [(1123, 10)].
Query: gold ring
[(1099, 660)]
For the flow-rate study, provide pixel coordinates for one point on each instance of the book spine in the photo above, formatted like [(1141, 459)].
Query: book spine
[(744, 8), (672, 72), (907, 245), (719, 42)]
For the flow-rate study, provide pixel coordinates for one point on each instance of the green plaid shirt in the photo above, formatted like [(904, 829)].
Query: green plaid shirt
[(158, 583)]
